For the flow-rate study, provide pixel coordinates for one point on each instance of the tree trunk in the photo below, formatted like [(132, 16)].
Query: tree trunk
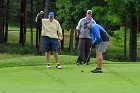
[(2, 16), (23, 23), (1, 33), (71, 39), (6, 25), (36, 42), (6, 32), (31, 23), (46, 8), (62, 41), (124, 37), (133, 36)]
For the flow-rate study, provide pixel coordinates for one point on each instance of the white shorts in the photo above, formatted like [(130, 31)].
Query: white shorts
[(102, 47)]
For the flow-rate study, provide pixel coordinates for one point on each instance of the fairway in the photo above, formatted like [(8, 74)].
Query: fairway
[(68, 46), (117, 78)]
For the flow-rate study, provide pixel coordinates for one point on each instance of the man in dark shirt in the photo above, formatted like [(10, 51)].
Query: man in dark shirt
[(38, 20)]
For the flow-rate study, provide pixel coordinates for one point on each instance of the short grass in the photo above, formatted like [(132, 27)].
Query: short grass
[(29, 75)]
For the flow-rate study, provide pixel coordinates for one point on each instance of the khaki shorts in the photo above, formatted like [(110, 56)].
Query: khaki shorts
[(102, 47)]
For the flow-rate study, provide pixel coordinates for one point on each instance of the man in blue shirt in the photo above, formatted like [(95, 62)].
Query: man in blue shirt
[(100, 39)]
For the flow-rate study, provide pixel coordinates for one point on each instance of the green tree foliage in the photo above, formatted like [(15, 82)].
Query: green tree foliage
[(129, 9), (71, 10), (109, 13), (123, 8)]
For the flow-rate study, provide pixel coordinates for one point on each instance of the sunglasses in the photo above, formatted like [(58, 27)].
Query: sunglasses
[(89, 13)]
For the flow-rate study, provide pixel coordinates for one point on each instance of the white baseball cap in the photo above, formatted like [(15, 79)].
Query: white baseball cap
[(89, 11), (41, 12)]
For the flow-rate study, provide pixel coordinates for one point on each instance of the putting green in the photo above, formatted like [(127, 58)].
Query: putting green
[(117, 78)]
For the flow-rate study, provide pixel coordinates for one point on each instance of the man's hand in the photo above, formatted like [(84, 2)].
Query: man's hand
[(77, 38)]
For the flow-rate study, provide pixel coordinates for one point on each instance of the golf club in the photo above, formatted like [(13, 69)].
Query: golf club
[(88, 57), (86, 62)]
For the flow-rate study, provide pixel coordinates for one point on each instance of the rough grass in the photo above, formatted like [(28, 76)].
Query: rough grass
[(115, 51), (10, 56)]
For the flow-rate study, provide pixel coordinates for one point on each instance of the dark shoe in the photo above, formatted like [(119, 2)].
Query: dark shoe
[(58, 66), (97, 70), (87, 63), (79, 63)]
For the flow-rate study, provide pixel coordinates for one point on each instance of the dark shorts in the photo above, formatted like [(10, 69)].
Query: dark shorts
[(50, 44)]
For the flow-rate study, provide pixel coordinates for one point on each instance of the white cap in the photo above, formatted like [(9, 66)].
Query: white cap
[(41, 12), (89, 11)]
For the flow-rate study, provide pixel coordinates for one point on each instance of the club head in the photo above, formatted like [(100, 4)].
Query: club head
[(82, 70)]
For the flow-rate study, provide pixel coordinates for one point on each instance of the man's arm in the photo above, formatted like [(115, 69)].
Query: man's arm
[(36, 19), (78, 28), (59, 32)]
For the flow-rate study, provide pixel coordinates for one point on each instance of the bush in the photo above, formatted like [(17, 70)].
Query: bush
[(17, 49)]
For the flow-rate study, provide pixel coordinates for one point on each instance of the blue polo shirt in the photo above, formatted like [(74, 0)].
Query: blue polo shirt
[(98, 34)]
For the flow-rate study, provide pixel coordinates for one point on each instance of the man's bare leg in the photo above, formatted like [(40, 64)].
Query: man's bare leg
[(99, 59), (56, 57), (47, 54), (56, 60)]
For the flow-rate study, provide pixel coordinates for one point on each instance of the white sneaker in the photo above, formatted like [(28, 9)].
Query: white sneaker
[(48, 66), (58, 66)]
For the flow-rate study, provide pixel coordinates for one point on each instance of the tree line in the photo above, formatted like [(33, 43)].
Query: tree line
[(112, 14)]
